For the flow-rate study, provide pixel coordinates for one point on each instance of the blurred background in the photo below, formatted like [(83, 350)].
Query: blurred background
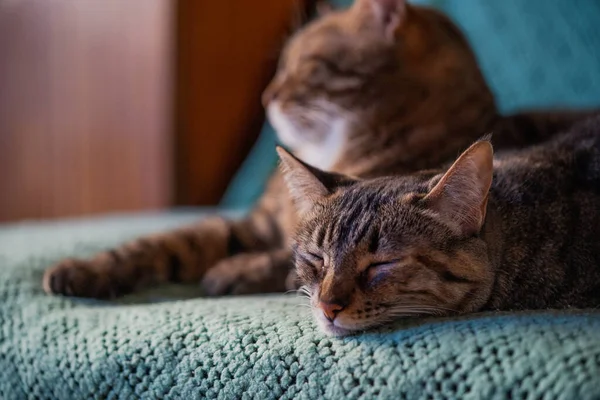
[(122, 105), (111, 105)]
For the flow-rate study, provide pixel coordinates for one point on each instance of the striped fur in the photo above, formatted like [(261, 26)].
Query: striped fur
[(383, 248), (353, 99)]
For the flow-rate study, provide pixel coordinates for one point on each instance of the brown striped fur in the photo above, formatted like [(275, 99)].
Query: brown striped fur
[(518, 232), (380, 88)]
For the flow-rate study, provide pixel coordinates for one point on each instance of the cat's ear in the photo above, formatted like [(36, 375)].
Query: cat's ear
[(307, 184), (461, 196), (385, 14)]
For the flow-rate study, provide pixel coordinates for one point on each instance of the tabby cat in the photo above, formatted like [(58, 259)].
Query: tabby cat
[(382, 87), (521, 231)]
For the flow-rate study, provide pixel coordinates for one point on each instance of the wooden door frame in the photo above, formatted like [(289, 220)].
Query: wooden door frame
[(227, 52)]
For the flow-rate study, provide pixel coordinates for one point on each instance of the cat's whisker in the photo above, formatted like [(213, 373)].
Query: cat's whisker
[(304, 291), (406, 310), (425, 310), (423, 306)]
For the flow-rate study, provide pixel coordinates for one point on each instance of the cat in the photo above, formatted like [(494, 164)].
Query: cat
[(381, 86), (520, 231)]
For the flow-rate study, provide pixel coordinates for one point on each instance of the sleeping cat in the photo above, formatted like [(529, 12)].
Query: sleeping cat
[(521, 231), (378, 88)]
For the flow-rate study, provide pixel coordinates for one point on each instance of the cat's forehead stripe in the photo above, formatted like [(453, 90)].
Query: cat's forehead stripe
[(374, 240), (353, 219), (319, 236)]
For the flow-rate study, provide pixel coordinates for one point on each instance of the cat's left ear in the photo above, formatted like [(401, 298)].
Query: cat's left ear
[(461, 196), (387, 14), (307, 184)]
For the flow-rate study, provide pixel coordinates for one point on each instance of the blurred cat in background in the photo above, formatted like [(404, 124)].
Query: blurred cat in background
[(380, 88)]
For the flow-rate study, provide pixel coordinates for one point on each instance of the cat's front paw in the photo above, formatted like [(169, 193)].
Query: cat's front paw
[(245, 274), (80, 278)]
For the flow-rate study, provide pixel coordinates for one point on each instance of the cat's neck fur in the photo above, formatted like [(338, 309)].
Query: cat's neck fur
[(325, 155), (400, 137)]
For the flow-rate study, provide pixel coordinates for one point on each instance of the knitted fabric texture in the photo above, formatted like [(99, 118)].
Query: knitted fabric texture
[(262, 347)]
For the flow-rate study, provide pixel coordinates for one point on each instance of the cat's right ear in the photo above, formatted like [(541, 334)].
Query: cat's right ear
[(461, 195), (307, 184), (386, 15)]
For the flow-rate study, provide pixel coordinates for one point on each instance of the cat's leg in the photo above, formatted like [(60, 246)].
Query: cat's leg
[(248, 273), (181, 255)]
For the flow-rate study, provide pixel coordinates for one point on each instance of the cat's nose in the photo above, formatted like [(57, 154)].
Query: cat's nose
[(330, 310)]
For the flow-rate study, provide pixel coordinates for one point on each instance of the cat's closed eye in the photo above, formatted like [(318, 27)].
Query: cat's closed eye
[(377, 271), (315, 72), (312, 260), (315, 257), (321, 71)]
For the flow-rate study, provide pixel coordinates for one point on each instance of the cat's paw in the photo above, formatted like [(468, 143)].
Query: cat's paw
[(80, 278), (245, 274)]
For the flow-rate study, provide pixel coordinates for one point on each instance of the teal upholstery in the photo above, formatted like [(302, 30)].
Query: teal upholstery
[(249, 182), (151, 346), (534, 53)]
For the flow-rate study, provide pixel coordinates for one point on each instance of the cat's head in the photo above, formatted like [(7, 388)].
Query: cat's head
[(371, 251), (365, 64)]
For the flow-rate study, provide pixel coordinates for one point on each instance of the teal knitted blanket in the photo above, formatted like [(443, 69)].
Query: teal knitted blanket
[(153, 346)]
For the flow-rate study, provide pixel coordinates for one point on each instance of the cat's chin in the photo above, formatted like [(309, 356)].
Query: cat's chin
[(330, 329), (323, 147), (289, 135), (335, 328)]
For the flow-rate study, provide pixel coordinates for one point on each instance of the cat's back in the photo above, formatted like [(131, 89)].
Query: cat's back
[(566, 166), (547, 200)]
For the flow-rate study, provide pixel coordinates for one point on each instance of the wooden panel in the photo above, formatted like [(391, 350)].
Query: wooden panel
[(227, 51), (85, 103)]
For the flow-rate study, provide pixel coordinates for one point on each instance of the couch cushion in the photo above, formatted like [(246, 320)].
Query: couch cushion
[(165, 344)]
